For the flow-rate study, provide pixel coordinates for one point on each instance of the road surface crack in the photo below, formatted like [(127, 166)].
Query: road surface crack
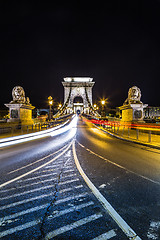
[(50, 205)]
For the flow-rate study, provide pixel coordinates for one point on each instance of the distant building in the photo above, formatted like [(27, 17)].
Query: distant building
[(152, 112)]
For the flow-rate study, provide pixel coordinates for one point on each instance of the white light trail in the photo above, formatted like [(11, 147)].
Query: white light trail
[(45, 133), (35, 169)]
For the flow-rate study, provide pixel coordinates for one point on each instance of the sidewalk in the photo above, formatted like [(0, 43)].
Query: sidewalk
[(17, 132), (139, 133), (140, 137), (12, 131)]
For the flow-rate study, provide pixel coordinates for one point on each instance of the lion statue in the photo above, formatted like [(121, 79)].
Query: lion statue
[(134, 95), (18, 95), (27, 100)]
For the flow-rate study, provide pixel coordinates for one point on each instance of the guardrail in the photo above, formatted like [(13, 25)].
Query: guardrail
[(11, 130), (68, 124), (142, 132)]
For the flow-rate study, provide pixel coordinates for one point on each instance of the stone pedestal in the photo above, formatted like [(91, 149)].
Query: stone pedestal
[(20, 113), (133, 112)]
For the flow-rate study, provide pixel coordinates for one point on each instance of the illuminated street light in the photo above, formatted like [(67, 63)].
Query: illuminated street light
[(50, 101), (103, 102), (60, 105)]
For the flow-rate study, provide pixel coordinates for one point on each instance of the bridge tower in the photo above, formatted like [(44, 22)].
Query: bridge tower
[(77, 95)]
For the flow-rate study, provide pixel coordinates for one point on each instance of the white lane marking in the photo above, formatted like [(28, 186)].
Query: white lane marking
[(105, 236), (71, 175), (68, 161), (53, 167), (38, 177), (54, 233), (25, 201), (34, 170), (29, 210), (69, 210), (69, 164), (82, 195), (19, 228), (33, 223), (117, 165), (80, 186), (47, 170), (39, 197), (153, 230), (18, 214), (34, 183), (39, 160), (73, 225), (107, 206), (70, 189), (70, 170), (40, 182), (70, 181), (68, 167), (2, 224), (26, 192), (68, 154)]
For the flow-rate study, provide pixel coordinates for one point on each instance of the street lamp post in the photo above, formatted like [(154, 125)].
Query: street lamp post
[(50, 101), (59, 106), (95, 107), (103, 104)]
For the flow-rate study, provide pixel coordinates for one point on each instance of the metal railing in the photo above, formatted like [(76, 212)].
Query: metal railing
[(149, 133), (12, 129), (142, 132)]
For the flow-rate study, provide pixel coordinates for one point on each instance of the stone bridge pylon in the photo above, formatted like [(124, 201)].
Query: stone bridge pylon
[(77, 96)]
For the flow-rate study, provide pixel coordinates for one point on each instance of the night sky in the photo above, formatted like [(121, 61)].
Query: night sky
[(117, 43)]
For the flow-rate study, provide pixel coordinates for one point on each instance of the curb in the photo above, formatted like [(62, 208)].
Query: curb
[(128, 140)]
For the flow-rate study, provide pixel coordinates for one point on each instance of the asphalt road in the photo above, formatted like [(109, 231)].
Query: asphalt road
[(44, 196)]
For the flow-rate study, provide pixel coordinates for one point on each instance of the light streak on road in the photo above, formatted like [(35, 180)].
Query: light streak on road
[(71, 126), (45, 133), (142, 126), (35, 169)]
